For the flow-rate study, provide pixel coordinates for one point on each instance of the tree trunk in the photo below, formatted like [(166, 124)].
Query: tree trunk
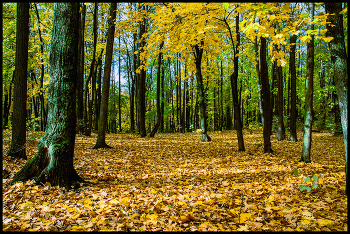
[(18, 140), (102, 122), (234, 79), (54, 160), (142, 84), (201, 91), (80, 78), (158, 91), (340, 61), (7, 103), (309, 83), (293, 79), (281, 131), (265, 93)]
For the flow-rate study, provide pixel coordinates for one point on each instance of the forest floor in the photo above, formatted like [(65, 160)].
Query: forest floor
[(175, 182)]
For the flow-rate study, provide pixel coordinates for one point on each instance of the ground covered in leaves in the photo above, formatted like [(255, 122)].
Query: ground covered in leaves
[(175, 182)]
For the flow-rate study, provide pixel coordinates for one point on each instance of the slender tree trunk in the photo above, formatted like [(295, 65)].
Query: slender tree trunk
[(340, 63), (158, 91), (305, 157), (7, 103), (281, 131), (293, 88), (102, 122), (201, 91), (54, 160), (142, 84), (18, 140), (80, 78), (267, 113)]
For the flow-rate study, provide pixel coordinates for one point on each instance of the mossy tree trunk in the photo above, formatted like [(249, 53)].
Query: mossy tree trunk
[(18, 140), (54, 160), (339, 59)]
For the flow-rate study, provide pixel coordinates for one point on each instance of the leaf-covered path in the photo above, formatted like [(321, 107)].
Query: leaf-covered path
[(174, 182)]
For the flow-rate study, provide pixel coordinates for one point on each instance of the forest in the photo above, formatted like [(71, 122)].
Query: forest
[(174, 116)]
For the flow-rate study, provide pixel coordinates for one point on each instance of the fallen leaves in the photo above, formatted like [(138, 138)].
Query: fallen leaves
[(174, 182)]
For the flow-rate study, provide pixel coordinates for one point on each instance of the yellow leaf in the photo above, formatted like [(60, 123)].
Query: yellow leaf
[(245, 216), (324, 222)]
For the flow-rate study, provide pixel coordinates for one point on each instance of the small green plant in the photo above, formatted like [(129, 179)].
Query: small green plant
[(311, 178)]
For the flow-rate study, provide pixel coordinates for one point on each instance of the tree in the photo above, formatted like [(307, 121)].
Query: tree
[(54, 160), (293, 79), (340, 65), (198, 54), (158, 91), (80, 82), (309, 82), (265, 94), (233, 79), (102, 122), (18, 140)]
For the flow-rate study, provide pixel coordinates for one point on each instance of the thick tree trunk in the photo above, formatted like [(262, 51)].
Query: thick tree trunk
[(102, 122), (309, 83), (265, 93), (18, 140), (54, 160), (293, 78), (201, 91), (340, 63), (158, 91)]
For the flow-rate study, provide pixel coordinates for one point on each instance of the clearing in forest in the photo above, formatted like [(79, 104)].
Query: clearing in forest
[(175, 182)]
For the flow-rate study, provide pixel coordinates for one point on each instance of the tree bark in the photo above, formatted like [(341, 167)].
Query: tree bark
[(18, 140), (265, 93), (340, 60), (102, 122), (141, 89), (309, 83), (158, 91), (280, 131), (54, 160), (201, 91), (293, 88), (80, 81)]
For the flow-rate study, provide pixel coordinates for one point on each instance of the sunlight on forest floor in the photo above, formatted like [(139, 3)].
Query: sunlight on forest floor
[(175, 182)]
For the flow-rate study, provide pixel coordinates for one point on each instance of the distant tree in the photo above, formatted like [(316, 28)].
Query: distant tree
[(54, 160), (18, 140)]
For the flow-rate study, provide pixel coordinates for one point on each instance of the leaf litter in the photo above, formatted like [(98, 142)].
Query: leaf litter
[(175, 182)]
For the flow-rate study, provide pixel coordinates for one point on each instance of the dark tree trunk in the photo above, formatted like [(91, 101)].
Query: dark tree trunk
[(41, 95), (18, 140), (54, 160), (293, 88), (80, 82), (340, 63), (98, 91), (234, 79), (158, 91), (280, 131), (305, 157), (162, 102), (265, 93), (102, 122), (201, 91), (141, 89), (258, 79)]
